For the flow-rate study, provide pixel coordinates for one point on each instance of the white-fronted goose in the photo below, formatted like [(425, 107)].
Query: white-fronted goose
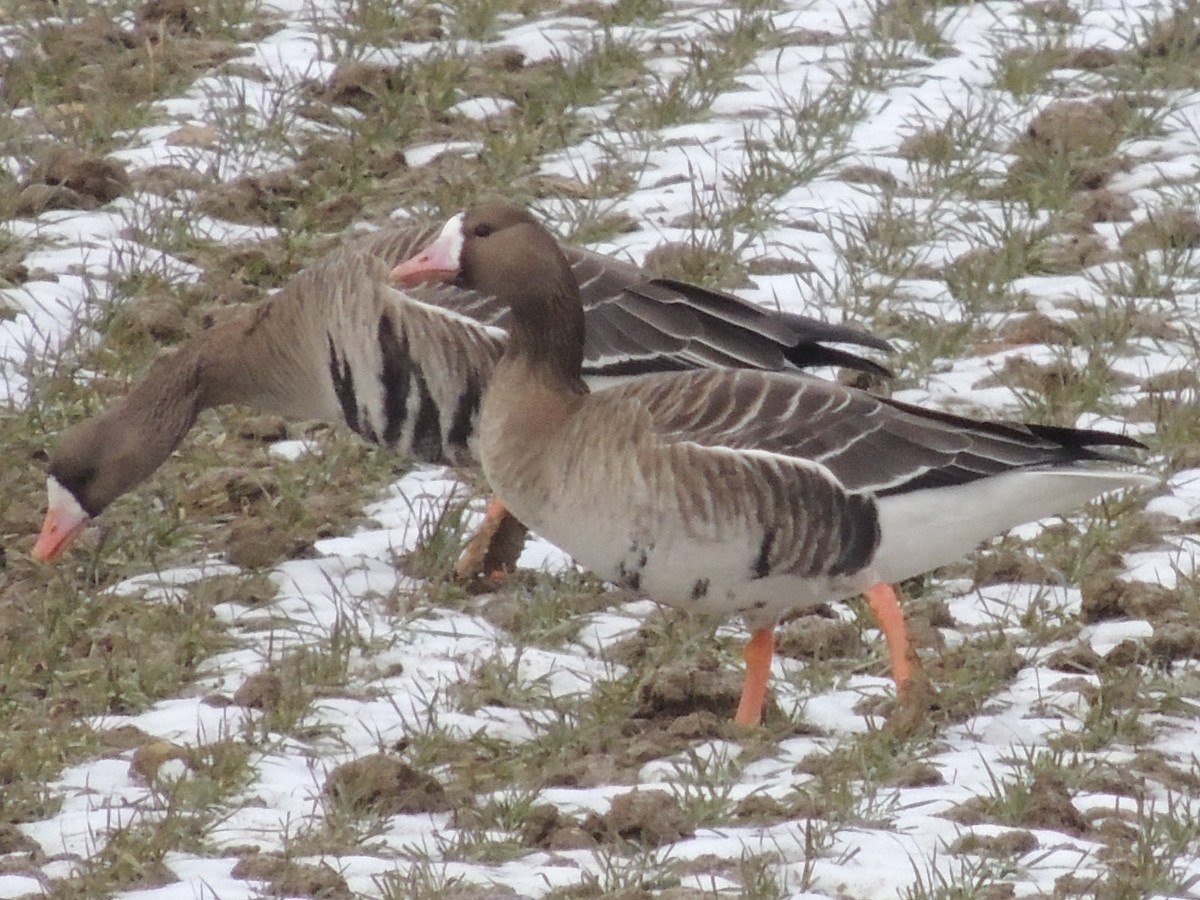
[(727, 491), (407, 370)]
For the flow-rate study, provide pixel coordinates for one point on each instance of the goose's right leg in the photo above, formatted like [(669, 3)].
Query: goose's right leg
[(492, 551)]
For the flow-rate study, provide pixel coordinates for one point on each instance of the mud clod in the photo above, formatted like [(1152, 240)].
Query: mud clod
[(174, 16), (149, 759), (1168, 229), (1050, 807), (647, 818), (1173, 641), (13, 840), (1106, 596), (384, 786), (676, 691), (548, 829), (1078, 659), (262, 690), (265, 428), (1007, 845), (1102, 205), (285, 878), (68, 178), (818, 638)]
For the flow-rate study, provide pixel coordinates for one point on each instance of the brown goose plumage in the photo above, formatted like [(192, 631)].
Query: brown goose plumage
[(733, 491), (340, 343)]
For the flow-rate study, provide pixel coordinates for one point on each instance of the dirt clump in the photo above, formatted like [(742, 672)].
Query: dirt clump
[(695, 263), (286, 878), (1173, 228), (360, 85), (149, 759), (677, 690), (256, 544), (1012, 566), (385, 786), (160, 319), (262, 690), (266, 428), (818, 638), (1172, 641), (869, 175), (1080, 658), (918, 774), (1177, 35), (592, 770), (69, 178), (175, 16), (1126, 653), (1075, 137), (168, 180), (548, 829), (1105, 596), (1074, 252), (1036, 328), (253, 199), (230, 489), (1078, 127), (646, 818), (1007, 845), (1090, 58), (123, 738), (1101, 205), (1050, 807), (13, 840)]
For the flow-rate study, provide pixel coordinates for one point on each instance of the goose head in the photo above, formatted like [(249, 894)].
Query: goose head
[(92, 465), (101, 458), (501, 250)]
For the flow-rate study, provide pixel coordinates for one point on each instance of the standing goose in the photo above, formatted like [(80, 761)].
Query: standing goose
[(338, 342), (734, 491)]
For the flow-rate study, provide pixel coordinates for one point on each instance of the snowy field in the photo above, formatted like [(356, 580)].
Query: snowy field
[(1063, 759)]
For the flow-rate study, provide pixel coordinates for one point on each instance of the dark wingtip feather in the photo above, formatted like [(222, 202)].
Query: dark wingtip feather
[(804, 338), (807, 355), (1086, 437), (1079, 441)]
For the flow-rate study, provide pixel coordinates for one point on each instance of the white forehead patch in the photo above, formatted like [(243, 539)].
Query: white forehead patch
[(451, 238), (63, 501)]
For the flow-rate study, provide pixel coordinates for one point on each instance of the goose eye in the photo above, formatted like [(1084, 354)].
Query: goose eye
[(482, 230)]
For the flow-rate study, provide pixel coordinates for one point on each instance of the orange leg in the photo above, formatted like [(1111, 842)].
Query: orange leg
[(886, 609), (474, 560), (759, 650)]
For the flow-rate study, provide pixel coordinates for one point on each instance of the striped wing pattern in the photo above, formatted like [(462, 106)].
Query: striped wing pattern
[(867, 443)]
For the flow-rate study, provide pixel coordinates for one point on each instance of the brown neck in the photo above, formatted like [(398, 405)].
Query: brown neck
[(546, 330), (549, 344), (101, 458)]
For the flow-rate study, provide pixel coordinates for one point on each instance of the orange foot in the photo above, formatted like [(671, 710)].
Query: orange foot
[(914, 691), (492, 551)]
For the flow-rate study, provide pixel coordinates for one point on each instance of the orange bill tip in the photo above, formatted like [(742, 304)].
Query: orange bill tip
[(65, 518)]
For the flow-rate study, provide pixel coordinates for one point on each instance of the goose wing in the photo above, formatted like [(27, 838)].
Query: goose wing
[(637, 324), (406, 371), (868, 443)]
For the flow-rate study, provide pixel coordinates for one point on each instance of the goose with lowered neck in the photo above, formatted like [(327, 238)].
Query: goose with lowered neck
[(405, 369), (732, 492)]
